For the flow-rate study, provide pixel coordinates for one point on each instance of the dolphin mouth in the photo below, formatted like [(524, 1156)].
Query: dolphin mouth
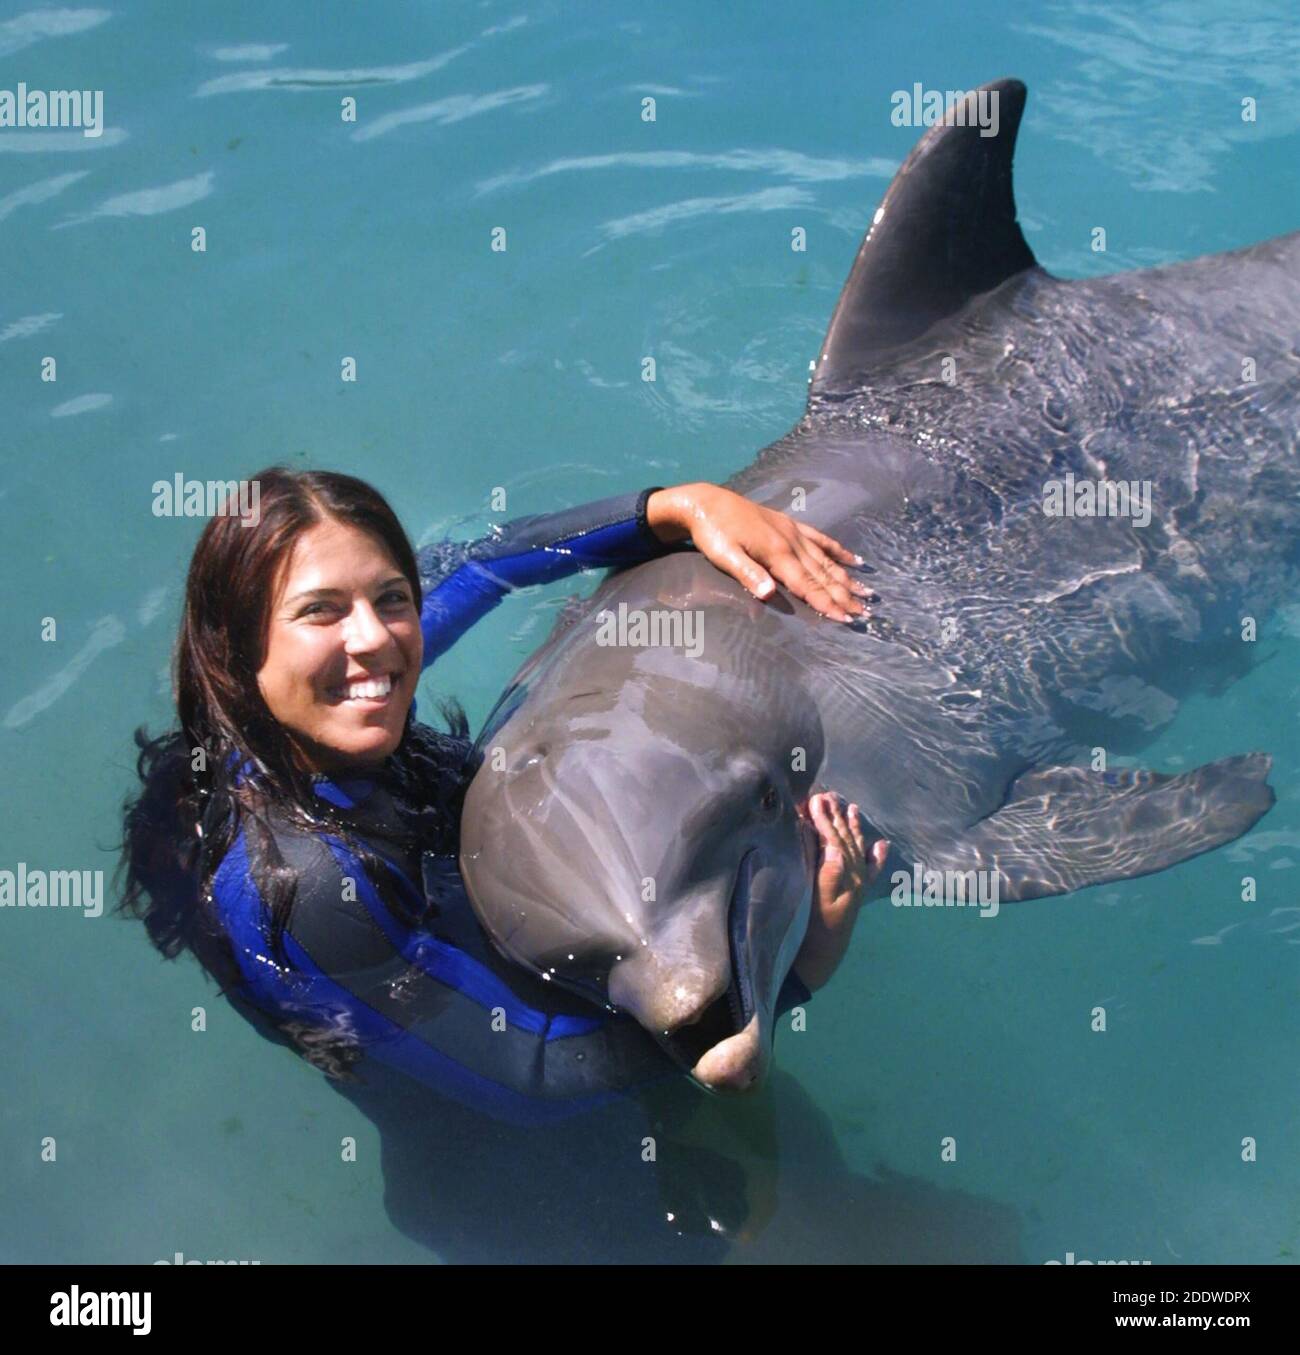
[(732, 1011)]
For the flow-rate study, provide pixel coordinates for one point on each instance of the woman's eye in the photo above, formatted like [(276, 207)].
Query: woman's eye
[(394, 598), (770, 799)]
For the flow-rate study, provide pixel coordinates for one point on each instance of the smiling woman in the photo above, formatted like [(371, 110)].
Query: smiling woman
[(299, 831)]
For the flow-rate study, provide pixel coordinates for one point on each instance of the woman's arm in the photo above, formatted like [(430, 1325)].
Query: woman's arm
[(462, 583)]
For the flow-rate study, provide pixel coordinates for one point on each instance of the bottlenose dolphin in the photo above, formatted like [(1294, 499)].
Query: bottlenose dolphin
[(635, 831)]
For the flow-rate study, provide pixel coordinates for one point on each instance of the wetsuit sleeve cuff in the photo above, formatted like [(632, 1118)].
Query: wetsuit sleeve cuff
[(643, 524)]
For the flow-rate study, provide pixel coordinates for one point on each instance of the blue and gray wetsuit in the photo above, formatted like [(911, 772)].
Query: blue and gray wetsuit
[(437, 1001)]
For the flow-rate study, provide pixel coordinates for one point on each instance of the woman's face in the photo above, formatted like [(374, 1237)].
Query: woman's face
[(343, 650)]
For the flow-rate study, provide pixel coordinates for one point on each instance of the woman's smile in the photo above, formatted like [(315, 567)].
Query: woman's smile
[(366, 689)]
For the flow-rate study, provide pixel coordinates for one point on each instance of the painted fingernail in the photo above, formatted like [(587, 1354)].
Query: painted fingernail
[(858, 560), (765, 589)]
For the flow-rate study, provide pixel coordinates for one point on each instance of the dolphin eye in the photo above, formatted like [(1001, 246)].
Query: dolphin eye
[(770, 798), (531, 757)]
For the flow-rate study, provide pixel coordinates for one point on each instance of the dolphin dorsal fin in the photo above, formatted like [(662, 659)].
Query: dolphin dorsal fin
[(945, 232)]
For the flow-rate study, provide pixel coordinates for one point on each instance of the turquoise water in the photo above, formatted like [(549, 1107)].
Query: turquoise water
[(521, 369)]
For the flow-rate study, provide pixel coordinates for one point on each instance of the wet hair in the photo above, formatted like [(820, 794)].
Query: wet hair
[(232, 765)]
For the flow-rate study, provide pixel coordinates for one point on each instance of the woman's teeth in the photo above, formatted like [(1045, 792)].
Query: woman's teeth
[(373, 690)]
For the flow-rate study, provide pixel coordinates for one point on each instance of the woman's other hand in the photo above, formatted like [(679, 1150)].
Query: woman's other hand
[(755, 545), (846, 869)]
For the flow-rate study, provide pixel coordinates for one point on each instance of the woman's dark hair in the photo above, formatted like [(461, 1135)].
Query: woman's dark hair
[(231, 764)]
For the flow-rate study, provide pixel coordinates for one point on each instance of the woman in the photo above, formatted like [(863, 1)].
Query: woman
[(290, 832)]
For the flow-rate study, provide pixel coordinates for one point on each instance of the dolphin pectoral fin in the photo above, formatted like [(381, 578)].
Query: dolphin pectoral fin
[(1064, 828), (945, 232)]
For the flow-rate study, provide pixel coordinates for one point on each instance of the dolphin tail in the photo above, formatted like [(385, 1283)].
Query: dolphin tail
[(945, 232), (1064, 828)]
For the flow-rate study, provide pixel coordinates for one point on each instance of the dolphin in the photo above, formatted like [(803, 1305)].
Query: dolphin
[(1071, 496)]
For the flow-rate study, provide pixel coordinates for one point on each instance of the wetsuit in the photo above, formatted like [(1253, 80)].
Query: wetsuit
[(438, 1001)]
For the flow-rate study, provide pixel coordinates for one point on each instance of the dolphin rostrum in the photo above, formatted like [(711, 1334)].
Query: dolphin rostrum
[(1070, 494)]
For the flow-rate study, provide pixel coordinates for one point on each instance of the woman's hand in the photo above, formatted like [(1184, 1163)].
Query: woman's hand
[(753, 543), (846, 870)]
